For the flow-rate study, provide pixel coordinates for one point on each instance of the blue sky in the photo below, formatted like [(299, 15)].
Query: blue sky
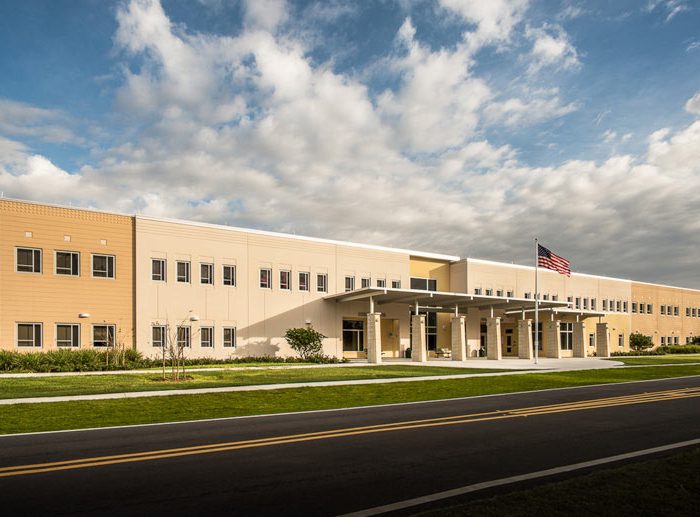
[(459, 126)]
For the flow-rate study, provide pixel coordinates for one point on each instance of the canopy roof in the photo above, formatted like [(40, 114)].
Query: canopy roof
[(441, 301)]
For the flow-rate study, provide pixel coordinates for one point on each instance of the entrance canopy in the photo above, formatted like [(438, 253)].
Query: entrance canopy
[(564, 311), (441, 301)]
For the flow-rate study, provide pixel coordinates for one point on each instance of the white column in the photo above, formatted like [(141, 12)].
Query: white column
[(552, 343), (602, 340), (580, 339), (419, 348), (374, 337), (493, 338), (525, 339), (459, 338)]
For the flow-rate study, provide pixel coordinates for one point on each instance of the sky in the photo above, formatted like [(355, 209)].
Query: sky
[(462, 127)]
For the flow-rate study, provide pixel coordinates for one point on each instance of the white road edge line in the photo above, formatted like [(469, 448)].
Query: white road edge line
[(408, 503), (354, 408)]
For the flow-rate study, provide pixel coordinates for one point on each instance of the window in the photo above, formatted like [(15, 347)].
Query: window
[(230, 276), (489, 292), (675, 340), (634, 307), (477, 291), (663, 340), (265, 278), (103, 266), (381, 282), (183, 272), (285, 280), (578, 302), (611, 305), (618, 306), (396, 284), (621, 340), (103, 335), (570, 299), (349, 283), (68, 335), (585, 304), (509, 294), (365, 282), (687, 312), (158, 337), (676, 311), (650, 308), (206, 337), (694, 312), (423, 284), (641, 308), (68, 263), (183, 337), (206, 274), (624, 306), (605, 305), (593, 304), (353, 335), (555, 297), (29, 334), (29, 260), (527, 295), (591, 340), (322, 283), (158, 272), (304, 281), (499, 292), (662, 310), (566, 333), (229, 337)]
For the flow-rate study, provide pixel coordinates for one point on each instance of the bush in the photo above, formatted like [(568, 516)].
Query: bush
[(306, 342), (680, 349), (639, 342), (635, 353)]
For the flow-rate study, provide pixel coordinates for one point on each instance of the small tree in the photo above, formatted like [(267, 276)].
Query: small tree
[(306, 342), (640, 342), (695, 341)]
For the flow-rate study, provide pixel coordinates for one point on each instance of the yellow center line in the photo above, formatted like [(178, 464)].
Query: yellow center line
[(642, 398)]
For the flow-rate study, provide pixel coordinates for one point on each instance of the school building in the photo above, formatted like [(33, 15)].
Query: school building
[(77, 278)]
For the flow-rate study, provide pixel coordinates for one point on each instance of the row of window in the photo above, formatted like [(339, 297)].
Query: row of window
[(183, 270), (67, 263), (672, 340), (692, 312), (183, 336), (67, 335), (499, 292)]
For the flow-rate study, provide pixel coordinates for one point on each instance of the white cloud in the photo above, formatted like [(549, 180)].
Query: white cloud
[(20, 119), (693, 104), (672, 8), (265, 14), (551, 47), (494, 19), (534, 107)]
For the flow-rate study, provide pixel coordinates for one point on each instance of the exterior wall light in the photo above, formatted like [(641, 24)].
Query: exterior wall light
[(84, 315)]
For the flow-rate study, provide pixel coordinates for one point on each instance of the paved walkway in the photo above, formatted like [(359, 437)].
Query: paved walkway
[(551, 365), (544, 363)]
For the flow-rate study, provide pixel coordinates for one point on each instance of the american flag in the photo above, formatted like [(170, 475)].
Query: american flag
[(549, 260)]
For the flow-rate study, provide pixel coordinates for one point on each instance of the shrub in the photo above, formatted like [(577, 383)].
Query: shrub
[(680, 349), (306, 342), (639, 342), (641, 352)]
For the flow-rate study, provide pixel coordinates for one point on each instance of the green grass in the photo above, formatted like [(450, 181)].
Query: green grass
[(664, 486), (94, 384), (83, 414), (658, 359)]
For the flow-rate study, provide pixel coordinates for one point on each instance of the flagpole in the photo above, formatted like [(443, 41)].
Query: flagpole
[(537, 301)]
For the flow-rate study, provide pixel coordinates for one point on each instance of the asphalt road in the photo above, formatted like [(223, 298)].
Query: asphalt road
[(330, 463)]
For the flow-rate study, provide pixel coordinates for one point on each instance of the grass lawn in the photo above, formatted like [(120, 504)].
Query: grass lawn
[(100, 413), (93, 384), (659, 359), (664, 486)]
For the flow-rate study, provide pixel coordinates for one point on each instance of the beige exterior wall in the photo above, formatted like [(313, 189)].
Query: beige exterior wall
[(49, 298), (659, 325), (440, 271), (261, 316)]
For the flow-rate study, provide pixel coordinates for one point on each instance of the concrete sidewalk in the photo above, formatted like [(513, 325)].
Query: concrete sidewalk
[(544, 363), (265, 387)]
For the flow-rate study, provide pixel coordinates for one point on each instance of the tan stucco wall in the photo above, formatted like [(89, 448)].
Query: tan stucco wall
[(261, 316), (657, 325), (48, 298), (440, 271)]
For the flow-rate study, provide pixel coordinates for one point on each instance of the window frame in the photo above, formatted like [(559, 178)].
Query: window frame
[(187, 277), (381, 283), (210, 330), (566, 329), (163, 339), (322, 286), (396, 284), (207, 279), (37, 267), (109, 258), (365, 282), (163, 274), (35, 325), (349, 281), (285, 280), (187, 330), (233, 337), (108, 326), (231, 281), (268, 282), (73, 339), (304, 285), (73, 267)]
